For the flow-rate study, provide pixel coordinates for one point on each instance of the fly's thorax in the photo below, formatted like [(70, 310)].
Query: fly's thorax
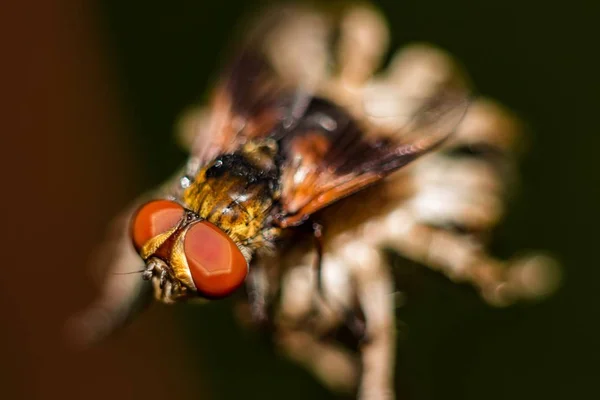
[(236, 194)]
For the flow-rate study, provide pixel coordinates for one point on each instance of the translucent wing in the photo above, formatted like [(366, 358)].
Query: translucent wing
[(277, 87), (266, 87), (328, 156)]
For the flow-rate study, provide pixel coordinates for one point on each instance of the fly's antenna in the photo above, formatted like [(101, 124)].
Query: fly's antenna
[(129, 273)]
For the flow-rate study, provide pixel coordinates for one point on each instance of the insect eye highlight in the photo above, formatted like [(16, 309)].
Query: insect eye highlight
[(154, 218), (216, 264)]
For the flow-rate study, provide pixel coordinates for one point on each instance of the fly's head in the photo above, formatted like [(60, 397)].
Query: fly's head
[(185, 255)]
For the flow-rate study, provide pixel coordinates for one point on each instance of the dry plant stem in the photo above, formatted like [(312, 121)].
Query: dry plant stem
[(460, 259), (411, 211), (121, 296), (374, 288), (333, 365)]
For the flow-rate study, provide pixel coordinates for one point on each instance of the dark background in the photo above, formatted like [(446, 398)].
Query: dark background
[(90, 93)]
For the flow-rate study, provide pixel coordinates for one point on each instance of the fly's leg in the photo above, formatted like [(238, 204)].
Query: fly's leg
[(162, 278), (318, 240), (167, 288), (257, 287), (262, 290)]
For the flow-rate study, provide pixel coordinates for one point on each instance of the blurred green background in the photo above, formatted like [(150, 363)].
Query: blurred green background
[(532, 56), (101, 137)]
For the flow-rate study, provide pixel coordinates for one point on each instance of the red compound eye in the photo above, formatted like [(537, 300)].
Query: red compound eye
[(216, 264), (154, 218)]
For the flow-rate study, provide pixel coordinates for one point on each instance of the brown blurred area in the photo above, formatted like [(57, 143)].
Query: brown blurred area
[(88, 93), (67, 170)]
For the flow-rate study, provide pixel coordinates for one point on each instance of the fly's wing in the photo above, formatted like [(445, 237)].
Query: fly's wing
[(245, 105), (248, 103), (266, 88), (329, 156), (268, 91)]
